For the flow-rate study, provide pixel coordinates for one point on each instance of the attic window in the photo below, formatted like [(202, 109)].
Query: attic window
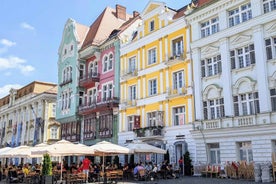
[(151, 25)]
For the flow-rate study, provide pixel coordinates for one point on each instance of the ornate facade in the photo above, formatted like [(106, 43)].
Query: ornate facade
[(156, 83), (27, 115), (233, 51)]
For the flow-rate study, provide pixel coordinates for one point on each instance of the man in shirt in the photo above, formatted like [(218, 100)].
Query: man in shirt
[(85, 167)]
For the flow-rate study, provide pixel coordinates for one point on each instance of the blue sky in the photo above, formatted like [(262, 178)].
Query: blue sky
[(31, 30)]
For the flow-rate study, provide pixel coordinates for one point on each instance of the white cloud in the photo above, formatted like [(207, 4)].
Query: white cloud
[(4, 91), (13, 62), (25, 25), (7, 43)]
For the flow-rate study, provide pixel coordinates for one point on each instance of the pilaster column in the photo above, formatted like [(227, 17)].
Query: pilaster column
[(197, 84), (226, 77), (261, 68)]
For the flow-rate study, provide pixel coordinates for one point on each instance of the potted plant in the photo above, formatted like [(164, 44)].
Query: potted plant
[(46, 169)]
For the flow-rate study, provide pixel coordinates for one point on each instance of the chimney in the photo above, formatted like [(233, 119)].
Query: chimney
[(135, 13), (120, 12)]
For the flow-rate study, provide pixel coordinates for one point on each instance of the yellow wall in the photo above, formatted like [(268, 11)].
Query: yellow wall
[(180, 100)]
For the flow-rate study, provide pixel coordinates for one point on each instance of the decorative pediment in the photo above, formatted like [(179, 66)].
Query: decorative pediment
[(209, 50), (244, 85), (212, 91), (151, 6), (240, 39), (271, 28)]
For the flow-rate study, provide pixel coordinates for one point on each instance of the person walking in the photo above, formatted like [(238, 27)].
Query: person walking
[(85, 167)]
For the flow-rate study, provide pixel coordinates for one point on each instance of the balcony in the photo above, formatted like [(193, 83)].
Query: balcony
[(65, 82), (89, 80), (100, 105), (127, 74), (171, 92), (174, 59), (146, 132)]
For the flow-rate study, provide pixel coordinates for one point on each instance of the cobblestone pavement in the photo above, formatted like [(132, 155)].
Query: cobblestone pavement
[(192, 180), (185, 180)]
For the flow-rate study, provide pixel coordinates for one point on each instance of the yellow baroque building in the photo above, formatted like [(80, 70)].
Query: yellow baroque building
[(156, 83)]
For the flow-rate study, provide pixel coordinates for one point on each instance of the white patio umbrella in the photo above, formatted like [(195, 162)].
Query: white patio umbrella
[(105, 148), (2, 150), (16, 152), (142, 147), (64, 148)]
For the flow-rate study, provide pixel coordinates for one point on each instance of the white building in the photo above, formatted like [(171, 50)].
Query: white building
[(234, 60), (27, 115)]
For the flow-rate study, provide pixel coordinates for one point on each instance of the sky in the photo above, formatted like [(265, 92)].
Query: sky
[(31, 32)]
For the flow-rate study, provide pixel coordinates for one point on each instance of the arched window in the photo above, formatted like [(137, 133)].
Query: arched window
[(110, 62), (105, 64)]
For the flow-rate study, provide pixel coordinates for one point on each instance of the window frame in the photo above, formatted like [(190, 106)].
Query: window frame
[(246, 104), (181, 111), (152, 56), (152, 87), (177, 46), (243, 57), (236, 15), (268, 5), (213, 110), (209, 27), (213, 63)]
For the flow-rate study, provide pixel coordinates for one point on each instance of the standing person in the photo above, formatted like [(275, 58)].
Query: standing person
[(180, 162), (85, 167)]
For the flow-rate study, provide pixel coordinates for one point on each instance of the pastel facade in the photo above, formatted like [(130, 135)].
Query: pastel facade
[(233, 51), (98, 81), (156, 83), (68, 79), (27, 115)]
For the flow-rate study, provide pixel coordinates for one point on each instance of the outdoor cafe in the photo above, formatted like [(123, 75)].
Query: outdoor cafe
[(77, 172)]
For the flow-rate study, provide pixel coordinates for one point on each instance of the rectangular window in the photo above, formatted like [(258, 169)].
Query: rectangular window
[(152, 56), (81, 70), (151, 117), (240, 14), (130, 123), (177, 46), (54, 132), (246, 104), (273, 99), (209, 27), (152, 87), (213, 109), (151, 26), (179, 116), (242, 57), (214, 153), (270, 45), (132, 92), (211, 66), (178, 80), (269, 5), (246, 152), (131, 64)]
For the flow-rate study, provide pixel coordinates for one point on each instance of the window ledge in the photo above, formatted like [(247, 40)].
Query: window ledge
[(273, 61), (212, 77), (237, 70)]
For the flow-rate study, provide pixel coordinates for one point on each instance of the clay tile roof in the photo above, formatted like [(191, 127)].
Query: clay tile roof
[(102, 27)]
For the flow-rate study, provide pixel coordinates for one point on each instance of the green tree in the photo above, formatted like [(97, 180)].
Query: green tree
[(187, 164), (47, 165)]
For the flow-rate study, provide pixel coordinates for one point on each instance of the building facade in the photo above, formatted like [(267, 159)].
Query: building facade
[(68, 80), (27, 115), (99, 60), (156, 83), (233, 52)]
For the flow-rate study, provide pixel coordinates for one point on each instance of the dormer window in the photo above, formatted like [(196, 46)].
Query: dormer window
[(151, 25)]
